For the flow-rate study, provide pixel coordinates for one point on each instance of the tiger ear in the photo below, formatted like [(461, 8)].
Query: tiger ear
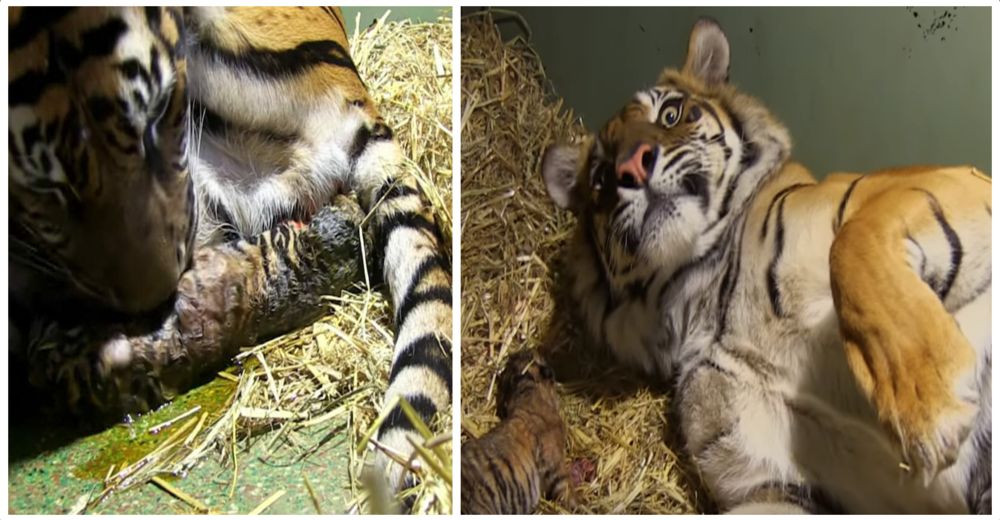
[(560, 167), (708, 53)]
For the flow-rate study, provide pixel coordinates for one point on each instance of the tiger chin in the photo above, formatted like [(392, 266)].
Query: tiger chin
[(828, 342)]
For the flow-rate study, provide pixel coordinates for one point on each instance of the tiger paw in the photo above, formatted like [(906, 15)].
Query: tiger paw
[(927, 454), (920, 380)]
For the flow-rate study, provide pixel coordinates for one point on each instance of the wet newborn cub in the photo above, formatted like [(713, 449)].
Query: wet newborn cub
[(507, 470)]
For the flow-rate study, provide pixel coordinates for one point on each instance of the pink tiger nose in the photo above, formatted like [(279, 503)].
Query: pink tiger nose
[(633, 171)]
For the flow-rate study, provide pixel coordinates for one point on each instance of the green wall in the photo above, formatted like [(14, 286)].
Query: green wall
[(859, 88), (417, 14)]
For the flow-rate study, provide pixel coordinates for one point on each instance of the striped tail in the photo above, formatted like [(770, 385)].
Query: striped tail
[(408, 249)]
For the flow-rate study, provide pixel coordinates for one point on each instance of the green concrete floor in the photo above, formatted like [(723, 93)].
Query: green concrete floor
[(53, 464)]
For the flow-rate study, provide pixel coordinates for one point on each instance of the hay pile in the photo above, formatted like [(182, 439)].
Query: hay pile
[(336, 370), (512, 238)]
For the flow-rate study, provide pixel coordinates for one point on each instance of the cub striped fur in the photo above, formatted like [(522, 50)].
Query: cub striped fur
[(829, 342), (508, 470)]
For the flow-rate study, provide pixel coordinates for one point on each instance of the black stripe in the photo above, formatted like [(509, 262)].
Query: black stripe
[(534, 487), (134, 69), (417, 298), (426, 266), (702, 364), (843, 204), (154, 22), (953, 242), (750, 156), (283, 63), (28, 88), (751, 360), (154, 66), (727, 199), (30, 136), (426, 351), (729, 282), (713, 253), (403, 219), (677, 157), (695, 183), (216, 124), (392, 189), (727, 153), (397, 419), (767, 216), (221, 213), (772, 268), (265, 258), (153, 17), (179, 46), (95, 43), (485, 487), (365, 135), (33, 21), (685, 379), (516, 490), (503, 482)]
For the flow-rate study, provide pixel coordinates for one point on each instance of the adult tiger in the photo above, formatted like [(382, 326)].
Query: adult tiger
[(138, 135), (829, 341)]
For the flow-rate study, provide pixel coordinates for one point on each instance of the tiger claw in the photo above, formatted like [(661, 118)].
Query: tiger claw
[(927, 455)]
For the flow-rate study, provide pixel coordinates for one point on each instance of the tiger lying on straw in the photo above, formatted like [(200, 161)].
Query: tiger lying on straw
[(829, 341), (508, 470), (168, 168)]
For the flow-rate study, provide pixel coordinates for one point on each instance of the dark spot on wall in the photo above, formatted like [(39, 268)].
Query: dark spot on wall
[(641, 28), (940, 21), (751, 29)]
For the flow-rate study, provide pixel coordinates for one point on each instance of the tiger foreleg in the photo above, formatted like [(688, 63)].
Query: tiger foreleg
[(235, 294), (906, 351)]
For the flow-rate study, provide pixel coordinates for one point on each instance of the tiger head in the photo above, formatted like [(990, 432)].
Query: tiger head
[(656, 185), (528, 380), (101, 201)]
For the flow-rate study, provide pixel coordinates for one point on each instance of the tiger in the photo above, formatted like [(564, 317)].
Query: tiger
[(143, 141), (511, 468), (827, 342)]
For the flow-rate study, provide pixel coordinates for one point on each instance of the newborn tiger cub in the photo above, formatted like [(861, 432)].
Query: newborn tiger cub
[(507, 470)]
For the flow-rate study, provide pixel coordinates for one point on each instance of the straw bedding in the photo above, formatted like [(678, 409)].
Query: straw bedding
[(512, 237), (336, 370)]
